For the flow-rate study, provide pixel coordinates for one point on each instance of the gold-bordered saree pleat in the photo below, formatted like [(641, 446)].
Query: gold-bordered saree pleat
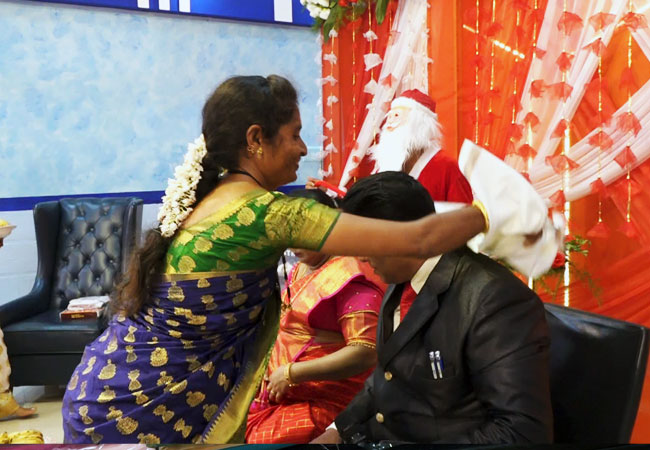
[(230, 425)]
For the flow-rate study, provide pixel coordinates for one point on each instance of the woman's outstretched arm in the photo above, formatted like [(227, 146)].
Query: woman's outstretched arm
[(430, 236)]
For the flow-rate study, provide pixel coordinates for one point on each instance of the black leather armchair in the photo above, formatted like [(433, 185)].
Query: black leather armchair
[(83, 245), (598, 366)]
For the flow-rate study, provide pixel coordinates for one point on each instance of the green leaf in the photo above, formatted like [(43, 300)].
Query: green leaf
[(380, 10), (327, 27), (333, 22)]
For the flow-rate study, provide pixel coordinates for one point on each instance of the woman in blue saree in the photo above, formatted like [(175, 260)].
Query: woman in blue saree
[(198, 310)]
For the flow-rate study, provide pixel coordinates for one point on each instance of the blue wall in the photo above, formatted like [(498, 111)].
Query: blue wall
[(97, 100)]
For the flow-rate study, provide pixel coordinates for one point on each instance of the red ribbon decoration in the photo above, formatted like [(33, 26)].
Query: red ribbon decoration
[(625, 157), (560, 128), (564, 61), (600, 20), (531, 120), (629, 230), (569, 22), (560, 90), (597, 47), (598, 187), (602, 140), (537, 88), (526, 151), (388, 81), (515, 131), (628, 122), (634, 21), (560, 163), (558, 199), (599, 231)]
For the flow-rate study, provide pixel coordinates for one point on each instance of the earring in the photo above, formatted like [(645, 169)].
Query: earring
[(251, 150), (260, 152)]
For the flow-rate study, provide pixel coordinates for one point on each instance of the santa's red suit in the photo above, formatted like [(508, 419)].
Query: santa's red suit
[(440, 175), (412, 123)]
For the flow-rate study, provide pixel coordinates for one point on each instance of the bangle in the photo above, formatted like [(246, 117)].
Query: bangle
[(481, 207), (287, 374)]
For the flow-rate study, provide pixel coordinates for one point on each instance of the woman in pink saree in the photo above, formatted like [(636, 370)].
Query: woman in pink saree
[(325, 347)]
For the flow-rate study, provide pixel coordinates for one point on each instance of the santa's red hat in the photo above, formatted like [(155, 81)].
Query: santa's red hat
[(416, 99)]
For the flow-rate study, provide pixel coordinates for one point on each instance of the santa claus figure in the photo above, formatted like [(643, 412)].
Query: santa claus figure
[(410, 141)]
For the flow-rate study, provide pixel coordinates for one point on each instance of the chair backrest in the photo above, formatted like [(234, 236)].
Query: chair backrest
[(597, 370), (95, 238)]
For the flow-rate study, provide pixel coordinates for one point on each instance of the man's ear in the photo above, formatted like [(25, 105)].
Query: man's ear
[(254, 136)]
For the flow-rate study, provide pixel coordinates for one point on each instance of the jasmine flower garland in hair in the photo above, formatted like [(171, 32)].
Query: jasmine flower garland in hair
[(180, 193)]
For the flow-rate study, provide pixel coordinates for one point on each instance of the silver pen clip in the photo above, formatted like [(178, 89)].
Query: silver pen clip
[(439, 365), (432, 359)]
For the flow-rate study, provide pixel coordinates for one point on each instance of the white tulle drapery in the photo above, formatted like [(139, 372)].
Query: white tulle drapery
[(592, 162), (406, 61)]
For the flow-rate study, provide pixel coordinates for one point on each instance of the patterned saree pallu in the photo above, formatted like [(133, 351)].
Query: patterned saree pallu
[(184, 370)]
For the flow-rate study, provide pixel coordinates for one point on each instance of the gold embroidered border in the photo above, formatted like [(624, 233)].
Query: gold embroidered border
[(197, 275), (227, 428), (362, 344), (226, 211)]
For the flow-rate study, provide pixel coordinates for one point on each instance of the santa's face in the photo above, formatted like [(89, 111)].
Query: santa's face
[(396, 117), (406, 134), (395, 141)]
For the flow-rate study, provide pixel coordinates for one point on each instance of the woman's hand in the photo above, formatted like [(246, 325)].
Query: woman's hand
[(277, 385), (311, 184)]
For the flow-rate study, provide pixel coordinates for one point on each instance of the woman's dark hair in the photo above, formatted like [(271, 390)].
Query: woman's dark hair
[(389, 196), (314, 194), (233, 107)]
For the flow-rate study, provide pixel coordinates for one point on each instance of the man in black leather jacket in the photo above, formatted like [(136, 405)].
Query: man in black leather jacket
[(468, 362)]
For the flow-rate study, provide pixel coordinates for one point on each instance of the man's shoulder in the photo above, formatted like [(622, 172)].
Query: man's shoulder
[(484, 271)]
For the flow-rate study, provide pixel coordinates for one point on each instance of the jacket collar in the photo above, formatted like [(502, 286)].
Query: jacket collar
[(424, 306)]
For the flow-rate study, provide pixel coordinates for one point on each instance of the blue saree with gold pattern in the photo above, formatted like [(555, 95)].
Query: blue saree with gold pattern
[(154, 389)]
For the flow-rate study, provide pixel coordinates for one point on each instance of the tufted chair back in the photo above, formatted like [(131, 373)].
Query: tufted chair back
[(91, 247)]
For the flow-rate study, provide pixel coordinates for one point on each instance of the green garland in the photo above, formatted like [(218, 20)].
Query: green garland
[(342, 11)]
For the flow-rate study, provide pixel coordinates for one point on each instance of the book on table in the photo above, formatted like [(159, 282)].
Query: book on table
[(84, 308)]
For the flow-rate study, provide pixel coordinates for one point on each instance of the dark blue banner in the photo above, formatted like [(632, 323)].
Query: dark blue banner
[(289, 12)]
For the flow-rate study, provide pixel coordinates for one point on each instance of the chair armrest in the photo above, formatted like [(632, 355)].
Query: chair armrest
[(46, 224), (36, 302)]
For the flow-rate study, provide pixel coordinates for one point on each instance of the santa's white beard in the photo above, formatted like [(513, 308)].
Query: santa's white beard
[(392, 149), (395, 147)]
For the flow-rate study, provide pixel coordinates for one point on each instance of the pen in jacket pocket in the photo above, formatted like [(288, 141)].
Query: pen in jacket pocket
[(436, 364)]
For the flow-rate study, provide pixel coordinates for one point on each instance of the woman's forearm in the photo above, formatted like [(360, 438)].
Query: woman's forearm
[(344, 363), (430, 236), (452, 230)]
